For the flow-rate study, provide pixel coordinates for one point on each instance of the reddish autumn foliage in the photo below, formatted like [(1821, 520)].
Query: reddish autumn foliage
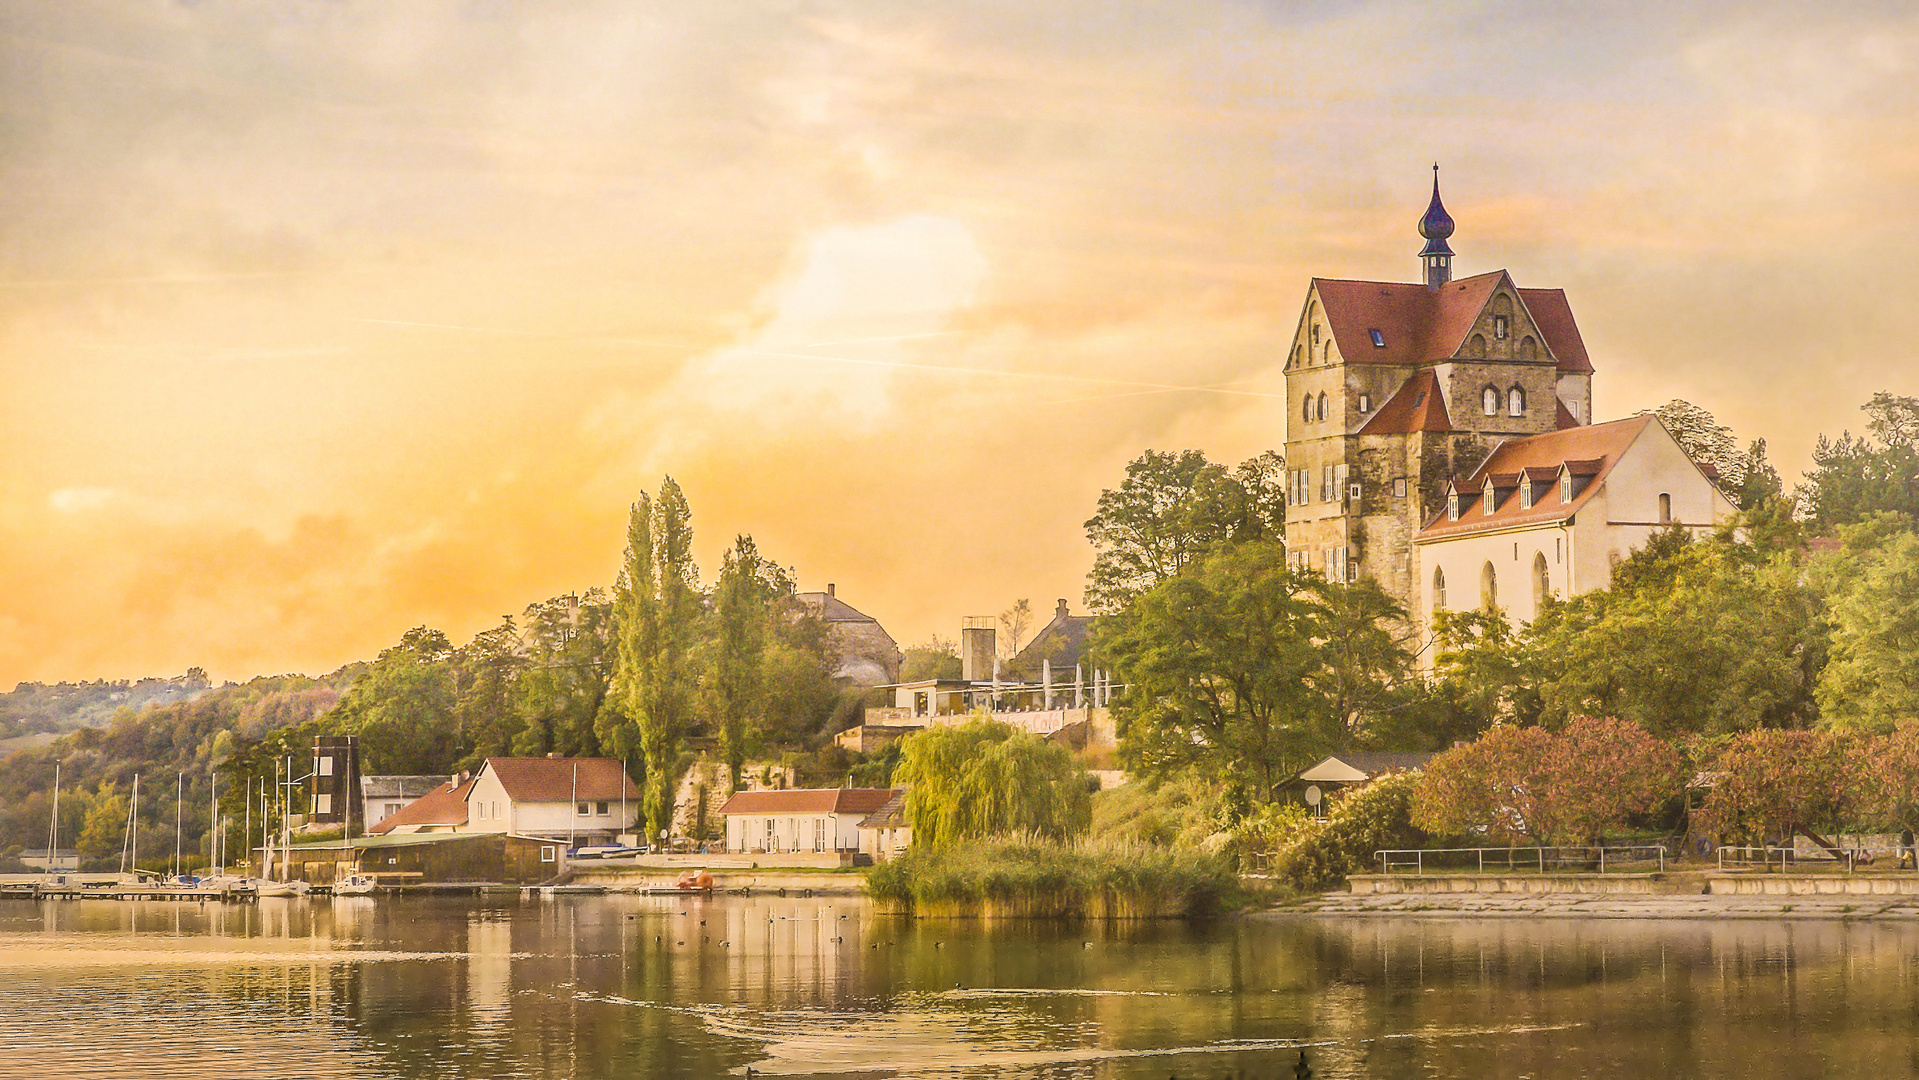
[(1771, 783), (1529, 784)]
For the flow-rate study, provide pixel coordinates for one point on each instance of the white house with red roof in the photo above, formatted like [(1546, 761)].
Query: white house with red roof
[(1553, 514), (588, 800), (802, 819), (584, 800)]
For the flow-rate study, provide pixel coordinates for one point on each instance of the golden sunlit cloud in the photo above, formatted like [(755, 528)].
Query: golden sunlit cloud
[(321, 321)]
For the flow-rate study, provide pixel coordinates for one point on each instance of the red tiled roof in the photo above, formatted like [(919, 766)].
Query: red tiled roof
[(1564, 418), (1417, 406), (444, 805), (1588, 451), (1554, 317), (1422, 326), (809, 801), (554, 780)]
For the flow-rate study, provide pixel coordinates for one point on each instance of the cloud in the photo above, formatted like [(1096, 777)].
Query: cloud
[(318, 321)]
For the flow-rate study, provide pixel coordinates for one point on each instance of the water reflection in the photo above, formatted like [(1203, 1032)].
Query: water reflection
[(682, 987)]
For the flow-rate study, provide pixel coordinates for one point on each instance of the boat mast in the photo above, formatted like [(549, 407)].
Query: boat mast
[(53, 823), (133, 846), (246, 828), (179, 809), (213, 822)]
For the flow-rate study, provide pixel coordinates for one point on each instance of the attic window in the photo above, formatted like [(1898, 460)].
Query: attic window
[(1365, 403), (1379, 339), (1420, 400), (1501, 327)]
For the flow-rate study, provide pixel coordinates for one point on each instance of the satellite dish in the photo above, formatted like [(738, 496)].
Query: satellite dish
[(1313, 795)]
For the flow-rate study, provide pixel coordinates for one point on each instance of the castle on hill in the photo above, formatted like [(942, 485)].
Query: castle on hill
[(1440, 441)]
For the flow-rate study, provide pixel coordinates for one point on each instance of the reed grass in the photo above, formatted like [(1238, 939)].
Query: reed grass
[(1026, 877)]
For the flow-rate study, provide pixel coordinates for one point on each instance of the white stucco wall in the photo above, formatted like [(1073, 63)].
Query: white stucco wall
[(793, 832), (1618, 519)]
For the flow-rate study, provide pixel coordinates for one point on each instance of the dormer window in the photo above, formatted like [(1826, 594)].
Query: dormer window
[(1526, 494), (1501, 327), (1566, 488), (1452, 507), (1379, 338)]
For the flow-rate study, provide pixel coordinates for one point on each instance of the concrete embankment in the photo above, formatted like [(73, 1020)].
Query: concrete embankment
[(1676, 895)]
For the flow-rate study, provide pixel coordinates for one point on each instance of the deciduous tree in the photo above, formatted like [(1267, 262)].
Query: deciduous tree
[(1529, 784), (1170, 510), (1772, 784), (1245, 669)]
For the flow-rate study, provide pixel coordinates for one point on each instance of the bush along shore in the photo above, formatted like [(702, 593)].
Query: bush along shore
[(1051, 879)]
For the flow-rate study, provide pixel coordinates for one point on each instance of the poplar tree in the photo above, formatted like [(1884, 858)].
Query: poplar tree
[(658, 606), (744, 600)]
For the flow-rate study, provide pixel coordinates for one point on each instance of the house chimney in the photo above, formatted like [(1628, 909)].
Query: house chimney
[(1060, 611), (829, 588)]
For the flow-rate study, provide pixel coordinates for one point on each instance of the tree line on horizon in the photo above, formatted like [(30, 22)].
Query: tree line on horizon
[(1236, 667)]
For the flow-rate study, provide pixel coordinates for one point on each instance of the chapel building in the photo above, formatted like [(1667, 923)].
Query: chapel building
[(1410, 399)]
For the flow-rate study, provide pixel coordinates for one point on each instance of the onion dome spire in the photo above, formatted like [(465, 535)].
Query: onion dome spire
[(1436, 258)]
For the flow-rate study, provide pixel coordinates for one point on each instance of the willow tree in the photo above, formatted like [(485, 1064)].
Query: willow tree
[(984, 778), (658, 609)]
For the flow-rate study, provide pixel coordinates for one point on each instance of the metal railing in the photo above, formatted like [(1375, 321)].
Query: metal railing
[(1517, 859), (1766, 856)]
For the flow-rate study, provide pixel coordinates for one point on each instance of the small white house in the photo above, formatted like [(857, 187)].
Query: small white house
[(587, 800), (812, 819), (581, 800), (885, 833)]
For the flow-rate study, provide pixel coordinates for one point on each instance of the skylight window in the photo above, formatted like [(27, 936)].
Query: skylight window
[(1379, 339)]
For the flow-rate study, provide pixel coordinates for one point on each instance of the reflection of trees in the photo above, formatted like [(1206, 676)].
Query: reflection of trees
[(604, 987)]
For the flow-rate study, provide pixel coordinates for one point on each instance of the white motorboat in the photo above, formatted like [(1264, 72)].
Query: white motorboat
[(355, 885)]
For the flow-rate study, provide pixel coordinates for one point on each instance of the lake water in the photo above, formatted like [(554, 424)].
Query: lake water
[(627, 987)]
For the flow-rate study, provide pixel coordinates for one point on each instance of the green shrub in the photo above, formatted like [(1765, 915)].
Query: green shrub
[(1366, 819)]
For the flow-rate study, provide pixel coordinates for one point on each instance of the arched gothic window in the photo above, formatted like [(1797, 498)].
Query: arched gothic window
[(1488, 587), (1665, 508), (1516, 402), (1489, 401), (1528, 348), (1326, 354), (1542, 581), (1322, 405), (1439, 589), (1476, 348), (1306, 409)]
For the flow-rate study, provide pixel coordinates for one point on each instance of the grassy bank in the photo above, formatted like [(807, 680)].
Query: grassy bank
[(1022, 878)]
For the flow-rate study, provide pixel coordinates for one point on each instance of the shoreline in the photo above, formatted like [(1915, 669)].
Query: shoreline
[(1573, 906)]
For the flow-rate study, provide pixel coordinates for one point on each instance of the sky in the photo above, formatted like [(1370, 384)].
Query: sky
[(323, 320)]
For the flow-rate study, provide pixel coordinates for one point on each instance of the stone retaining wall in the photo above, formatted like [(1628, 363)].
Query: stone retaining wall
[(1906, 884), (1534, 884)]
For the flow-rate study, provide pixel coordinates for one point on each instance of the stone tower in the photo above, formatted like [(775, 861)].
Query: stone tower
[(1393, 388)]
